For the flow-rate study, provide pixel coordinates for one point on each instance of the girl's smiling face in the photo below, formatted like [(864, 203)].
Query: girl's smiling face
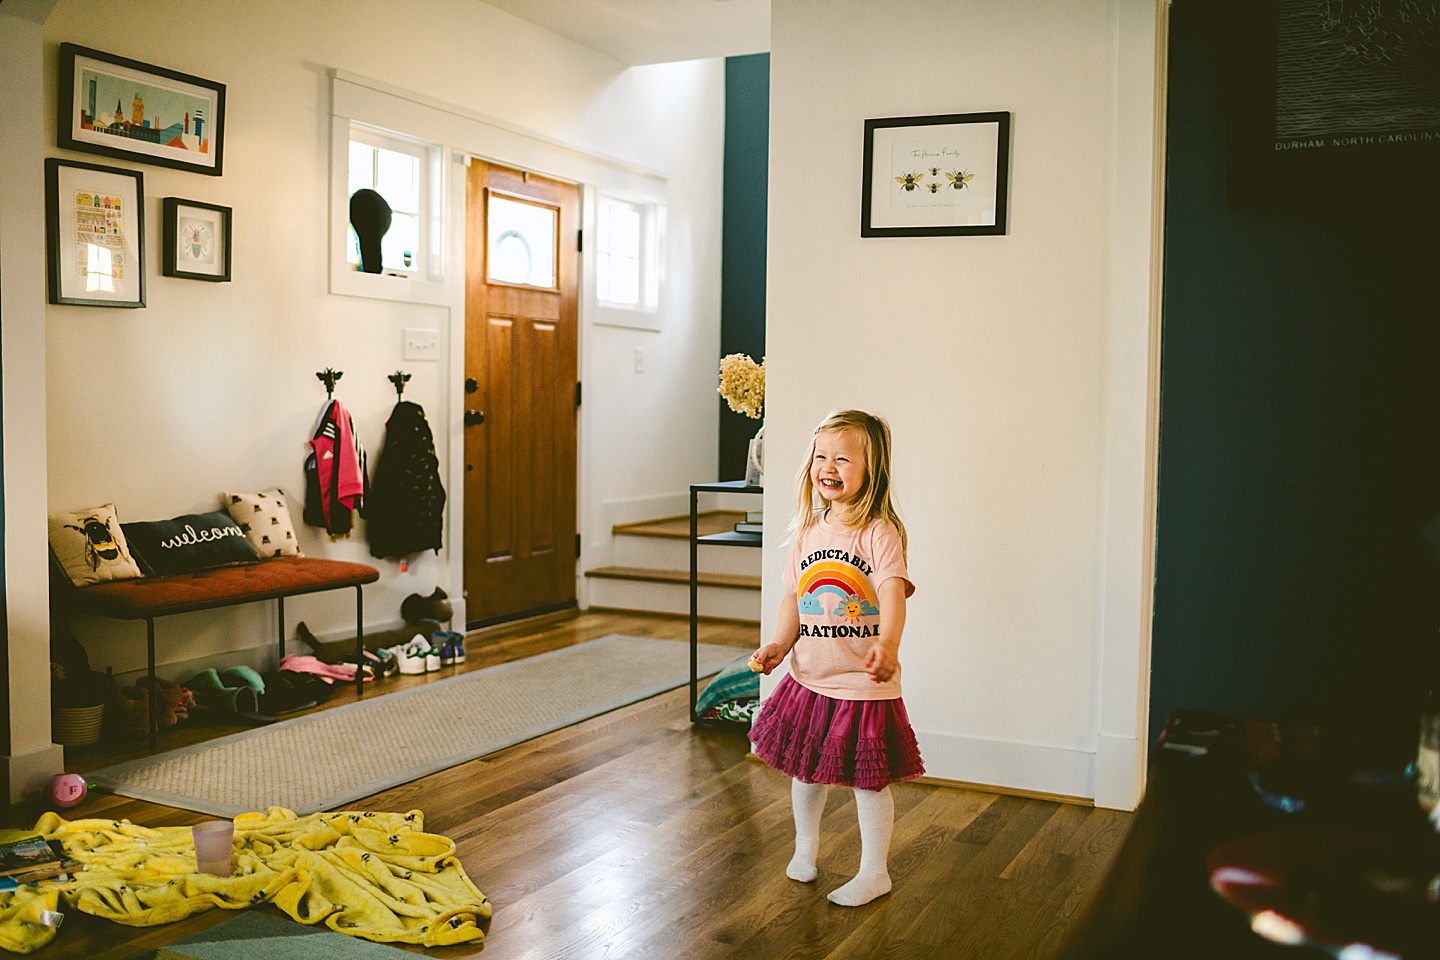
[(837, 468)]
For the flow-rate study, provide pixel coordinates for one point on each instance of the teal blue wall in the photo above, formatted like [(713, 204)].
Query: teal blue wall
[(1300, 429), (742, 272)]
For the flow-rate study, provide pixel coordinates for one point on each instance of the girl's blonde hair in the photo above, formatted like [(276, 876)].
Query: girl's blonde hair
[(874, 499)]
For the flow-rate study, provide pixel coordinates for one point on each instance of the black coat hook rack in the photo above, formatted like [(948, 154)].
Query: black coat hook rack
[(328, 376), (399, 378)]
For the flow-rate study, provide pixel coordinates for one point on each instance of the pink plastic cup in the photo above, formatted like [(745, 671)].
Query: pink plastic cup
[(213, 843)]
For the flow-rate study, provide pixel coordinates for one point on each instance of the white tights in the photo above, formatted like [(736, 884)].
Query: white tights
[(876, 813)]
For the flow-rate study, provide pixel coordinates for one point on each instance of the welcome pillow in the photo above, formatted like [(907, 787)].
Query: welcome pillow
[(89, 545), (265, 519), (194, 542)]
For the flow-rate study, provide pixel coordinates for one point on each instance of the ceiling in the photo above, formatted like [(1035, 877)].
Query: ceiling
[(637, 32)]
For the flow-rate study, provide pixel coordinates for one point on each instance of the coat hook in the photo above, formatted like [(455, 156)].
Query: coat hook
[(399, 378), (328, 376)]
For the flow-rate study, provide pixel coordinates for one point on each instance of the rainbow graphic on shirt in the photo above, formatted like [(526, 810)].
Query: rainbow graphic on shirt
[(855, 598)]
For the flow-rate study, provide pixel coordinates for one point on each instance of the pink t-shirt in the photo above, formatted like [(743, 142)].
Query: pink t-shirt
[(835, 572)]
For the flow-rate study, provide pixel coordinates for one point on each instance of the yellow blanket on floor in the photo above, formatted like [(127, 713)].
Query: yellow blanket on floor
[(372, 875)]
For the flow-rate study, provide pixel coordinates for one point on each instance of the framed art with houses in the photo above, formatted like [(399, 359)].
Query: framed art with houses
[(939, 176), (95, 234), (159, 116), (196, 240)]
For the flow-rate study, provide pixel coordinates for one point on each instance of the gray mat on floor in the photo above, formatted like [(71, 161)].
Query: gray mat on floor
[(331, 757)]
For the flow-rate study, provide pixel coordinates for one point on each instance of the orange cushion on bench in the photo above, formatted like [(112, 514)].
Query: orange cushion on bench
[(281, 577)]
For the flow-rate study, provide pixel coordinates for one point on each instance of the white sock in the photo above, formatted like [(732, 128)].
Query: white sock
[(807, 800), (876, 813)]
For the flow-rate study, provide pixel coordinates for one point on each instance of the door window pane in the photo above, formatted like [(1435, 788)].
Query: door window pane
[(522, 242)]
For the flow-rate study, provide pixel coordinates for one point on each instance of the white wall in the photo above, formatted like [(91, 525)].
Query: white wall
[(990, 356), (30, 759), (212, 386)]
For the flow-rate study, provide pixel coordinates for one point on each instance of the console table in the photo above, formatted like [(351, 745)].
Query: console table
[(728, 538)]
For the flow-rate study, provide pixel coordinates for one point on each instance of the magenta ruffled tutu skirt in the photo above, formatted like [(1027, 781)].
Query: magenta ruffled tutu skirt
[(817, 739)]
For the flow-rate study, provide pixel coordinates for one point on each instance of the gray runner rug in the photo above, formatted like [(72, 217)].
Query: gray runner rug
[(331, 757)]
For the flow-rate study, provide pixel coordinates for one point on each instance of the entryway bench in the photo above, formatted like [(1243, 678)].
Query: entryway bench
[(147, 598)]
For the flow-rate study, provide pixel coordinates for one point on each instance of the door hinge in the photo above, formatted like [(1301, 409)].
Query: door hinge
[(577, 545), (577, 393), (579, 241)]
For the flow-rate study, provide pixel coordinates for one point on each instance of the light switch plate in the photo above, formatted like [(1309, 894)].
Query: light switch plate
[(421, 343)]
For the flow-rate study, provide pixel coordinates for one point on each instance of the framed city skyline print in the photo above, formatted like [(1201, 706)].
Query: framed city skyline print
[(939, 176), (95, 234), (196, 240), (158, 116)]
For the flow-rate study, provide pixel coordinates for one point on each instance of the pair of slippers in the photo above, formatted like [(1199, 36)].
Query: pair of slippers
[(240, 693)]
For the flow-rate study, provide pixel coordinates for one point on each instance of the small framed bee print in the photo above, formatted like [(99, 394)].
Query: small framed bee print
[(197, 240), (940, 176)]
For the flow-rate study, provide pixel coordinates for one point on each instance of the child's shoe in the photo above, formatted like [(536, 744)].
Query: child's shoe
[(412, 664), (432, 660)]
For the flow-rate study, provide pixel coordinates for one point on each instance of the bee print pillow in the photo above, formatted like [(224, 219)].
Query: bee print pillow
[(265, 519), (90, 546)]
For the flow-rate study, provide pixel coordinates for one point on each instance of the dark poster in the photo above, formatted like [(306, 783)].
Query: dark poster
[(1333, 101)]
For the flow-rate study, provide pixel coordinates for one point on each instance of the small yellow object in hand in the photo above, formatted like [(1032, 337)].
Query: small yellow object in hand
[(757, 666)]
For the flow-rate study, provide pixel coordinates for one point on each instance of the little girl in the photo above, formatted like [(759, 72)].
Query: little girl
[(837, 717)]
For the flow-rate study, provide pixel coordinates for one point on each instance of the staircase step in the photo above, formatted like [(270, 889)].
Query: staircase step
[(737, 581), (678, 528)]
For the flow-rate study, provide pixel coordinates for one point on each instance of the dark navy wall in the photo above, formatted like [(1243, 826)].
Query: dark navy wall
[(742, 273), (1300, 429)]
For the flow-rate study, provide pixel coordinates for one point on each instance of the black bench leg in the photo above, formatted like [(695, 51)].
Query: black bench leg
[(280, 656), (153, 694), (359, 641)]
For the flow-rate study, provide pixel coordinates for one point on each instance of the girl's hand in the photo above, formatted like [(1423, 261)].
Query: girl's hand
[(767, 658), (881, 662)]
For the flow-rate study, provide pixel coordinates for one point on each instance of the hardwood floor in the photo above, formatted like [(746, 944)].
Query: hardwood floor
[(637, 835)]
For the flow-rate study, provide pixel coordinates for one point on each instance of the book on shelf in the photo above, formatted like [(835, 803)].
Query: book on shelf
[(746, 527), (754, 516)]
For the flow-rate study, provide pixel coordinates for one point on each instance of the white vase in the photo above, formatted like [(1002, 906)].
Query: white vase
[(755, 460)]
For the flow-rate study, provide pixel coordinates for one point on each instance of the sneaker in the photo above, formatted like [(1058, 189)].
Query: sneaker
[(455, 641), (432, 660), (413, 664), (447, 655)]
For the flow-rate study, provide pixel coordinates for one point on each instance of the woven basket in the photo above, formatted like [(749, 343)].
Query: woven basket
[(77, 726)]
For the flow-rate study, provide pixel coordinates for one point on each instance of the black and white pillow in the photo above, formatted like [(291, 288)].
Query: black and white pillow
[(265, 519), (188, 544)]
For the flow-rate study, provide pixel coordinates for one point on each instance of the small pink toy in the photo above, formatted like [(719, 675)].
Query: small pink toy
[(68, 789)]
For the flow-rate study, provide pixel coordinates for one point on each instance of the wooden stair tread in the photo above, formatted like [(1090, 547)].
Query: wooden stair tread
[(678, 528), (649, 575)]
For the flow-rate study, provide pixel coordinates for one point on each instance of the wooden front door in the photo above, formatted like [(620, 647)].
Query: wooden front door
[(521, 370)]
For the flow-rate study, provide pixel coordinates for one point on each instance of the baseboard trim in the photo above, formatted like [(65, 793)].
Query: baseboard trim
[(984, 788)]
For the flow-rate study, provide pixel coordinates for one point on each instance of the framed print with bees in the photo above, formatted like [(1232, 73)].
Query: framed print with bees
[(941, 176), (197, 240)]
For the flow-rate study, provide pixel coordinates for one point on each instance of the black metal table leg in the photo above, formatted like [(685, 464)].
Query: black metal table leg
[(153, 694), (359, 641), (694, 601), (281, 653)]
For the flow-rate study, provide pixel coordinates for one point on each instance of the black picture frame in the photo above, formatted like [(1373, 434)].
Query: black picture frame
[(95, 234), (196, 240), (937, 176), (183, 126), (1323, 102)]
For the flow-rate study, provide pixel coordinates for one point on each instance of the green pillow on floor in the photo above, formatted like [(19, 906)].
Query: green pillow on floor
[(735, 682)]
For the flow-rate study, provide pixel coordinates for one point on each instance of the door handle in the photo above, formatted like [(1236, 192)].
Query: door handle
[(471, 385), (472, 417)]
